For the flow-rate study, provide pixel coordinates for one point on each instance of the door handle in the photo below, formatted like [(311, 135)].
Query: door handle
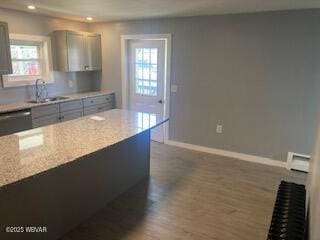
[(160, 101)]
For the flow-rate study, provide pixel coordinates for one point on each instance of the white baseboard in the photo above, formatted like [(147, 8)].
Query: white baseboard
[(235, 155)]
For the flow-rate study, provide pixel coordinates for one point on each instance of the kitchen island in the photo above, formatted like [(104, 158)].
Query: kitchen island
[(55, 177)]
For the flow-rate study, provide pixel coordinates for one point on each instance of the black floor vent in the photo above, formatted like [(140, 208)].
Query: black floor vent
[(288, 220)]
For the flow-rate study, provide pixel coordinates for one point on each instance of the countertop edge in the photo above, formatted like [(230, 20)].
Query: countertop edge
[(73, 161)]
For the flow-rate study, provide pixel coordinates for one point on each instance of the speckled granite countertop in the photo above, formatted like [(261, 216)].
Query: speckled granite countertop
[(16, 106), (35, 151)]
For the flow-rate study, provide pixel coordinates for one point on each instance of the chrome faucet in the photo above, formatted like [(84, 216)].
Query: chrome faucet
[(41, 90)]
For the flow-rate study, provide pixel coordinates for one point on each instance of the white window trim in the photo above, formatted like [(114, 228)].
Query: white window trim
[(46, 74)]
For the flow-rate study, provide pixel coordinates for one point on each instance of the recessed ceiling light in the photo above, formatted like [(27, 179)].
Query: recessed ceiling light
[(89, 18), (31, 7)]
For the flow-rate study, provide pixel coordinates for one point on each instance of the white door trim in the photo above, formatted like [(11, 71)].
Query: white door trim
[(125, 71)]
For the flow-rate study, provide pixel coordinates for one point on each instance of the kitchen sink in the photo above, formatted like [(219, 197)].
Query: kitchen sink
[(52, 99)]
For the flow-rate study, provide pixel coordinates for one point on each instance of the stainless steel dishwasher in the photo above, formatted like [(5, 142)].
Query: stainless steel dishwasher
[(12, 122)]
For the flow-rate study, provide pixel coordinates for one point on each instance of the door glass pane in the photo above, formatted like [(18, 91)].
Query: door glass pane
[(146, 71), (154, 72), (154, 55), (139, 54), (146, 56), (139, 71)]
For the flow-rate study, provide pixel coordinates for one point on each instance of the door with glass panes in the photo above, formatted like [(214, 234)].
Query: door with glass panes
[(146, 76)]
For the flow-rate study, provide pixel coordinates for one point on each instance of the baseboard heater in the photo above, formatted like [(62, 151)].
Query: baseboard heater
[(288, 220)]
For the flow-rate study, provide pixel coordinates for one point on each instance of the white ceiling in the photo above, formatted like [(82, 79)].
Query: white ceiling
[(113, 10)]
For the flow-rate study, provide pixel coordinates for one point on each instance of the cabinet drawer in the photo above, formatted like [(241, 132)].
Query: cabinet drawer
[(72, 105), (97, 109), (66, 116), (88, 102), (45, 121), (45, 110)]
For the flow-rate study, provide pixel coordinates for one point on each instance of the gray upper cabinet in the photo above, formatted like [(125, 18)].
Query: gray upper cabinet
[(76, 51), (5, 56), (93, 52)]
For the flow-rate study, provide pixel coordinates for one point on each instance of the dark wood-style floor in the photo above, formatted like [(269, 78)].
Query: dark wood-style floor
[(191, 195)]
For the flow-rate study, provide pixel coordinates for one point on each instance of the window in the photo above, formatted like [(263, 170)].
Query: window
[(26, 60), (31, 59), (146, 71)]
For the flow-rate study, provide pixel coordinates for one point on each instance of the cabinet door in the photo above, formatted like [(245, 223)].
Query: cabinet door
[(75, 46), (5, 56), (71, 105), (46, 120), (67, 116), (93, 52), (92, 101), (97, 109), (42, 111)]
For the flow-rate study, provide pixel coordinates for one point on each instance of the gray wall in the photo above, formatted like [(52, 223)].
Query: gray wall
[(253, 73), (27, 23)]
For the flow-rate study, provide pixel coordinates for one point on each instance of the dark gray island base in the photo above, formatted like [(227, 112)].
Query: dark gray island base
[(58, 199)]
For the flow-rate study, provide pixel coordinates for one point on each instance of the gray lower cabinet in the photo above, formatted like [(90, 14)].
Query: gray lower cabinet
[(69, 110), (71, 105), (98, 104), (45, 115), (97, 109), (70, 115), (45, 120), (93, 101), (43, 111)]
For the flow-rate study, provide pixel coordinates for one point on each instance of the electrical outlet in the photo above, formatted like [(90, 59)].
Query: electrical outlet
[(70, 84), (219, 129)]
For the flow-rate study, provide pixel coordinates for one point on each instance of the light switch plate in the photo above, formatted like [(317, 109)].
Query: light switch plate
[(174, 88), (219, 129), (70, 84)]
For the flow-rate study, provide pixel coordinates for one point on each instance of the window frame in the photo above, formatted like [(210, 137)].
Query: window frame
[(45, 53), (38, 59)]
